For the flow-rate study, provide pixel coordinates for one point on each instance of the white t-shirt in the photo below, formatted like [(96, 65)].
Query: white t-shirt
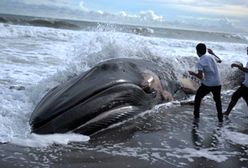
[(246, 77), (208, 65)]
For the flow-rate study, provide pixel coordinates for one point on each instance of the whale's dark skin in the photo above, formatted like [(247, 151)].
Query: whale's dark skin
[(108, 93)]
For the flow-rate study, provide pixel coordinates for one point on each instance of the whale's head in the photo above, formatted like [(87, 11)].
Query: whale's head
[(110, 92)]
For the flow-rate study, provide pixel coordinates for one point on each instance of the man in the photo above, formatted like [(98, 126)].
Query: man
[(210, 80), (242, 90)]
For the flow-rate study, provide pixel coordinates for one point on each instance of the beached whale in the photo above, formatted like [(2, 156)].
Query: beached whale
[(110, 92)]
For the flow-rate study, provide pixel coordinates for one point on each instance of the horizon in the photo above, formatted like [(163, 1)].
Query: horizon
[(179, 14), (114, 23)]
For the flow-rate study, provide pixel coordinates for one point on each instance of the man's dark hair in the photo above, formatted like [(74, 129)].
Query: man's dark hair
[(201, 48)]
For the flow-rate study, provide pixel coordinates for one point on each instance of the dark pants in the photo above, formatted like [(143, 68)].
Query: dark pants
[(241, 92), (202, 92)]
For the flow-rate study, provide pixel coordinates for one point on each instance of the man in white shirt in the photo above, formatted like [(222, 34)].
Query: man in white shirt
[(210, 80), (242, 90)]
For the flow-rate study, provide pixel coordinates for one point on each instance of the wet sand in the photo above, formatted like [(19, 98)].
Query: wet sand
[(164, 137)]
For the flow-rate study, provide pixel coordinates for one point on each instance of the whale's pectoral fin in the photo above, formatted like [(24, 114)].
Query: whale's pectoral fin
[(189, 86), (167, 96)]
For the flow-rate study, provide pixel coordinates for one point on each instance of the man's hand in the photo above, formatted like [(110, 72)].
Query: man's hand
[(198, 75), (210, 51), (191, 72), (219, 61)]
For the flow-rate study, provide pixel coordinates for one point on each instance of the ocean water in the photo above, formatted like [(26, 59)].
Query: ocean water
[(34, 59)]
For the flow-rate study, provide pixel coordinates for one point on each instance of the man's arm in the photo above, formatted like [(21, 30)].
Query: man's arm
[(210, 51), (240, 67), (198, 75)]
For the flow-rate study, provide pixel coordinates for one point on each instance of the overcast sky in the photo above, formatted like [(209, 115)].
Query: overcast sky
[(231, 14)]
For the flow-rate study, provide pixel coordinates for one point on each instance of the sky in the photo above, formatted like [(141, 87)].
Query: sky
[(219, 15)]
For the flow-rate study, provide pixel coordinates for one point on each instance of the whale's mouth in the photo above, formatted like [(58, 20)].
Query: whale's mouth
[(101, 96), (115, 104), (110, 104)]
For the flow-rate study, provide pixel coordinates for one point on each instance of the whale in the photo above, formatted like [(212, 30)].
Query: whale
[(110, 92)]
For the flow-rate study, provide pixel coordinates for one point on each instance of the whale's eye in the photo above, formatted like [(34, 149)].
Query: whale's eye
[(105, 66), (147, 89)]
